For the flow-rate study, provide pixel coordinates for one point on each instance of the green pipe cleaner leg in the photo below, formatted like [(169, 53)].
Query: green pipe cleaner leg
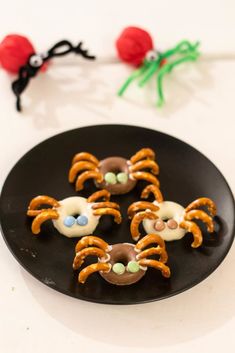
[(150, 72), (167, 68), (131, 78)]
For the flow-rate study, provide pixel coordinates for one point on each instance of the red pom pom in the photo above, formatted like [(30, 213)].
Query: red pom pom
[(14, 52), (133, 44)]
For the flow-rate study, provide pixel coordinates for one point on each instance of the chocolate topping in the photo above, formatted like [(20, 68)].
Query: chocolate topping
[(115, 165), (123, 253)]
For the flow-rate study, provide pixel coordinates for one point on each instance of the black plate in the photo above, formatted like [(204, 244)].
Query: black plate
[(185, 174)]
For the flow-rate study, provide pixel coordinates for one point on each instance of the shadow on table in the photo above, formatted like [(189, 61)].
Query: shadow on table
[(184, 317), (88, 86)]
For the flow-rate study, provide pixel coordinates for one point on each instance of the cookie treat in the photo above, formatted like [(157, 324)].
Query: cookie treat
[(169, 219), (121, 264), (74, 216), (115, 174)]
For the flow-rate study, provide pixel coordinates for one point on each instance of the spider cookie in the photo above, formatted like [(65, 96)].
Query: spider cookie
[(169, 219), (115, 174), (74, 216), (121, 264)]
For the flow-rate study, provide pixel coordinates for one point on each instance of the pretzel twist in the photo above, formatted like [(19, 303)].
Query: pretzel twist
[(140, 206), (91, 240), (90, 174), (101, 194), (109, 211), (146, 177), (154, 189), (85, 156), (201, 215), (193, 228), (142, 154), (137, 219), (82, 254), (165, 270), (145, 164), (78, 167), (87, 271), (203, 201)]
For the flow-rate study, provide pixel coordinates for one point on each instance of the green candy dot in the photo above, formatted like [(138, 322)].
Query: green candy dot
[(133, 266), (110, 178), (122, 178), (118, 268)]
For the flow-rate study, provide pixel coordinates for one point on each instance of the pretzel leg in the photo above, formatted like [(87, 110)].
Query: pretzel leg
[(142, 154), (153, 251), (85, 156), (78, 167), (87, 271), (150, 239), (82, 178), (43, 217), (192, 227), (109, 211), (42, 200), (154, 189), (165, 270), (81, 255), (91, 240), (203, 201), (202, 216), (105, 204), (105, 194), (137, 219), (141, 206), (146, 177), (145, 164)]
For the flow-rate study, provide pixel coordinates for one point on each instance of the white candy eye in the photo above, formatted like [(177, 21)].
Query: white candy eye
[(151, 55), (35, 61)]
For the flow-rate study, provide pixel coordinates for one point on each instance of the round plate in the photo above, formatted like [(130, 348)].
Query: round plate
[(185, 174)]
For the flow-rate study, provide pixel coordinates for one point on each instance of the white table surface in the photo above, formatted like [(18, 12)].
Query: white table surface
[(200, 110)]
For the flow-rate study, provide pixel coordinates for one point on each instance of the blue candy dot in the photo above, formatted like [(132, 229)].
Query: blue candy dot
[(82, 220), (69, 221)]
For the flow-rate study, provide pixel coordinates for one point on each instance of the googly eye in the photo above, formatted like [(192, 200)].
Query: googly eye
[(110, 178), (69, 221), (36, 61), (118, 268), (122, 178), (172, 224), (159, 225), (133, 266), (82, 220), (151, 55)]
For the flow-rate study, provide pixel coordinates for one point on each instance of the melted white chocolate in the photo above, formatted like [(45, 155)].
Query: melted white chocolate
[(167, 210), (73, 206)]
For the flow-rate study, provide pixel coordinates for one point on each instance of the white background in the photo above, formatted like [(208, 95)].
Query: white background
[(200, 110)]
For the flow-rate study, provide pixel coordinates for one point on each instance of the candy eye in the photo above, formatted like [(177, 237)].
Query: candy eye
[(122, 178), (172, 224), (82, 220), (159, 225), (118, 268), (133, 266), (110, 178), (35, 61), (69, 221), (151, 55)]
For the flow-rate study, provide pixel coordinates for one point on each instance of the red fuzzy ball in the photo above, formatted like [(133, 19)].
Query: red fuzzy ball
[(14, 52), (133, 44)]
